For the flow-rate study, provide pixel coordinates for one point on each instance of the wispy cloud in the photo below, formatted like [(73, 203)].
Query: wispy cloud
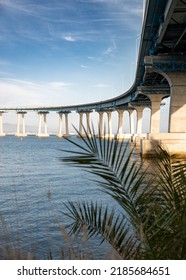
[(84, 66), (99, 59), (68, 14), (101, 85), (76, 36), (32, 84), (16, 92), (111, 49), (58, 85)]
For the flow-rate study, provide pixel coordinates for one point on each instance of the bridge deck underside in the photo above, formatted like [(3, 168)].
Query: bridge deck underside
[(173, 40)]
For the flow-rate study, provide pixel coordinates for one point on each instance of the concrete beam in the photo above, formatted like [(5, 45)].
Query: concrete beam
[(169, 10)]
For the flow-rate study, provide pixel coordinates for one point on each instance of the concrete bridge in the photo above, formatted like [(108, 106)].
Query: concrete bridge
[(161, 72)]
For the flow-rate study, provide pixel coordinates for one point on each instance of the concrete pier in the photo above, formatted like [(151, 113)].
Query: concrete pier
[(66, 132), (174, 143), (132, 122), (21, 131), (85, 126), (175, 139), (138, 135), (177, 81), (120, 134), (100, 126), (42, 134), (81, 122), (109, 133)]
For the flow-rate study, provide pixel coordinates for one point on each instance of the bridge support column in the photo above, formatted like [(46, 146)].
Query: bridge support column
[(40, 133), (45, 124), (155, 111), (129, 136), (139, 135), (60, 125), (60, 132), (80, 122), (109, 118), (177, 117), (81, 130), (132, 125), (139, 120), (88, 123), (120, 134), (39, 127), (1, 124), (124, 135), (21, 132), (175, 139), (100, 128), (67, 134), (109, 114)]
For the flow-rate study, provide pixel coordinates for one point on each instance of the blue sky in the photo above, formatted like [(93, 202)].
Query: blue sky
[(61, 52)]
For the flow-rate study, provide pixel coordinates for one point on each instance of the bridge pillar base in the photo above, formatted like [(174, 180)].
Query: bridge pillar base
[(2, 134), (175, 143), (137, 139), (21, 135), (42, 135), (84, 135), (124, 136), (60, 135), (108, 136)]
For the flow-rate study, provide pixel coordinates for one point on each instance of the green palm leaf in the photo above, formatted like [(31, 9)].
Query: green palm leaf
[(152, 223), (110, 160), (99, 221)]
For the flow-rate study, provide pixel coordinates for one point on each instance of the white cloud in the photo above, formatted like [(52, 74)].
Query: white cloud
[(69, 38)]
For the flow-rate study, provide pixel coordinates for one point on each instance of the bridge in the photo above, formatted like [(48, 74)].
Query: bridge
[(161, 72)]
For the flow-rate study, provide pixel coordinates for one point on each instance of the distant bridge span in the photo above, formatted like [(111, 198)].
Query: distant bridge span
[(161, 71)]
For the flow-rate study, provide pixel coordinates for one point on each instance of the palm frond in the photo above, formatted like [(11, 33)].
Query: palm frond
[(99, 221), (112, 164), (112, 161), (153, 208)]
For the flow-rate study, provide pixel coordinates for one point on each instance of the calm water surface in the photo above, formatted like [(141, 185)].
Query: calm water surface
[(34, 184)]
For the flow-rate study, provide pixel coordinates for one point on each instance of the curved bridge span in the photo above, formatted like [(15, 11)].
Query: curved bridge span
[(161, 72)]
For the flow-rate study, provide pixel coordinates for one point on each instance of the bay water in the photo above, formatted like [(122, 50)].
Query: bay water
[(34, 185)]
